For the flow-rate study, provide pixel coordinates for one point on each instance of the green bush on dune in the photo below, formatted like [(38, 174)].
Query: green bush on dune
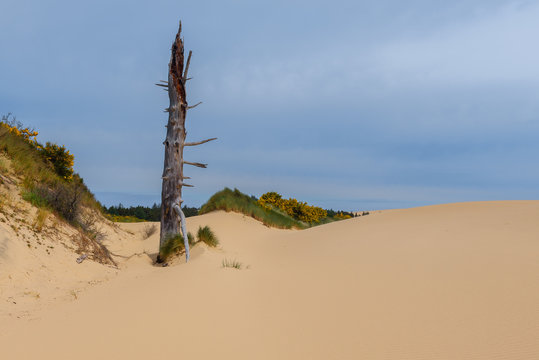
[(272, 210), (234, 200)]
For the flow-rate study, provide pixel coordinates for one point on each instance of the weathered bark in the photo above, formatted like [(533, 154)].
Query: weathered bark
[(171, 193), (172, 217)]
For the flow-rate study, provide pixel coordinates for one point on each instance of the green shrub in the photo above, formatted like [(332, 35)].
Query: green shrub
[(35, 198), (234, 200), (62, 197), (207, 236), (60, 158)]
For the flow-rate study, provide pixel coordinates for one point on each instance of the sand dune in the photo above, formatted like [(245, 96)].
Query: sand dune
[(457, 281)]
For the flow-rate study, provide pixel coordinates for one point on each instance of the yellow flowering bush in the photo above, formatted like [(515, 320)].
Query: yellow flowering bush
[(296, 209), (271, 199), (342, 216), (15, 128), (58, 156)]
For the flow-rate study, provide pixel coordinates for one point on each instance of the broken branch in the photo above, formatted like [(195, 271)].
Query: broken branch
[(195, 164), (187, 65), (194, 106), (198, 142)]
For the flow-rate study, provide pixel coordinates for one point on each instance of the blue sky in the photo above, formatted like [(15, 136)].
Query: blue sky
[(344, 104)]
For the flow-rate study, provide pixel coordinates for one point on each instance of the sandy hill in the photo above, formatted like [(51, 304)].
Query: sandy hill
[(39, 249), (457, 281)]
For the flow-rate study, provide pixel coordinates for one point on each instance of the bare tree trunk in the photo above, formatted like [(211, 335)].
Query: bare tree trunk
[(172, 217), (171, 194)]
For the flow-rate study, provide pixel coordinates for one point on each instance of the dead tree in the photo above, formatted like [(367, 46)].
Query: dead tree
[(172, 217)]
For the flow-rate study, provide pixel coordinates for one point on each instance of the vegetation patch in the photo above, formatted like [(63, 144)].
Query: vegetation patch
[(46, 179), (149, 230), (174, 245), (231, 264), (124, 219), (272, 210), (34, 198), (234, 200), (142, 213), (47, 171), (41, 218), (207, 236), (4, 165), (296, 209)]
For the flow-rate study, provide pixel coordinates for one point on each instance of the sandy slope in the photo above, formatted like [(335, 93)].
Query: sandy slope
[(458, 281)]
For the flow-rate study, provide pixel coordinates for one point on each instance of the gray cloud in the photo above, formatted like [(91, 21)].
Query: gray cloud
[(347, 104)]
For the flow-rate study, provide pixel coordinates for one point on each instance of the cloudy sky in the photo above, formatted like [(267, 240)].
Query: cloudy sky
[(344, 104)]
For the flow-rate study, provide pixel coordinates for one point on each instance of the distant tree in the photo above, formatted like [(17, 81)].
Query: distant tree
[(152, 213)]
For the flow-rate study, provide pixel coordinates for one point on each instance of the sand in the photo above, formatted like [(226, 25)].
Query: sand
[(457, 281)]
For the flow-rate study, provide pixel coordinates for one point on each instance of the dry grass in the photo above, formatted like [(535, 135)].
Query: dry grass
[(41, 218), (149, 230), (4, 164)]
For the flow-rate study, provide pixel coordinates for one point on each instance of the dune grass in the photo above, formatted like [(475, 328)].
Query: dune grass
[(41, 218), (149, 230), (34, 198), (207, 236), (174, 245), (234, 264), (234, 200), (3, 164)]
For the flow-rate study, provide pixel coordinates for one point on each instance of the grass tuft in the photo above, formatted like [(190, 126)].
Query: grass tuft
[(232, 264), (149, 230), (4, 166), (207, 236), (174, 245), (41, 217)]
